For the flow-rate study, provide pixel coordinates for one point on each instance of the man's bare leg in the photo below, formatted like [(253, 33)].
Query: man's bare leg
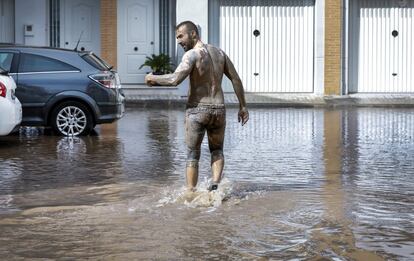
[(215, 142), (192, 175), (194, 137), (217, 165), (217, 170)]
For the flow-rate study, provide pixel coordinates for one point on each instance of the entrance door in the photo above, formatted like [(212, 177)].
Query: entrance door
[(6, 21), (381, 46), (81, 21), (136, 38), (270, 42)]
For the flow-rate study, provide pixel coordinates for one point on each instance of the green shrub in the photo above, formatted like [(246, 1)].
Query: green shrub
[(159, 64)]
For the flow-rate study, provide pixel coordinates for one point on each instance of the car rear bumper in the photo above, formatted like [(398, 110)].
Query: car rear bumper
[(111, 112), (10, 116)]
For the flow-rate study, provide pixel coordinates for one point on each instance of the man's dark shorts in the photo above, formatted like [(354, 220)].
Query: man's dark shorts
[(201, 118)]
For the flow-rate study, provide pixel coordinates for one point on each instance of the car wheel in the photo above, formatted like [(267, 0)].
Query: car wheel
[(72, 118)]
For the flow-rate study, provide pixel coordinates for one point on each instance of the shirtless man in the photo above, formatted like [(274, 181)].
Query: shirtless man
[(205, 109)]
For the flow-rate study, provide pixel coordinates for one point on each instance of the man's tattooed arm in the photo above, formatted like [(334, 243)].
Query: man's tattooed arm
[(175, 78)]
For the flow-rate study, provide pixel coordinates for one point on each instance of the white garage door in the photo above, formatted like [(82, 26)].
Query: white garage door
[(270, 42), (381, 46)]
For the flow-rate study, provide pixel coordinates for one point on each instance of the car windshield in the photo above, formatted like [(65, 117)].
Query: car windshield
[(2, 71), (96, 62)]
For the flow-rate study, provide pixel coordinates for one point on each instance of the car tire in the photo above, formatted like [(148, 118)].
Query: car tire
[(71, 118)]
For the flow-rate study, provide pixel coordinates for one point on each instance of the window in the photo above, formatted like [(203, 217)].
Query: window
[(96, 62), (37, 63), (6, 61)]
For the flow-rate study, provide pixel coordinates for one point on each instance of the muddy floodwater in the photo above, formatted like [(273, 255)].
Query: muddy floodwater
[(300, 184)]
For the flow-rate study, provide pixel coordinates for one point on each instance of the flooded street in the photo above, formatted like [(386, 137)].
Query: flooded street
[(300, 184)]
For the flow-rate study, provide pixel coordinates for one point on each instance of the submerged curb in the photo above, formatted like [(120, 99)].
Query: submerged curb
[(289, 100)]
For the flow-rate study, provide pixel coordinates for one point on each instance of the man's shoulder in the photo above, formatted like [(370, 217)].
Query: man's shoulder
[(190, 55), (216, 49)]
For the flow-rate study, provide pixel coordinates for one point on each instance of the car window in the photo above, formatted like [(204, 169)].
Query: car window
[(96, 62), (37, 63), (6, 61)]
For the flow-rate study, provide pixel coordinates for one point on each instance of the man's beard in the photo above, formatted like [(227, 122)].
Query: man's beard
[(186, 47)]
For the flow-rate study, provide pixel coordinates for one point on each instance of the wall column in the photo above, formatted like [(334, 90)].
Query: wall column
[(109, 35), (333, 38)]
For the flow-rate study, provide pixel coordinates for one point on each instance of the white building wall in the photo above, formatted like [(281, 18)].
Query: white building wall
[(31, 12), (195, 11), (6, 21), (198, 14)]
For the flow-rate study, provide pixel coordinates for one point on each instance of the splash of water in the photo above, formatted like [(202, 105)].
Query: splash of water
[(199, 198)]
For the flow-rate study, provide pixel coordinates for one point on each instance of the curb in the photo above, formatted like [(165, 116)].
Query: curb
[(354, 100)]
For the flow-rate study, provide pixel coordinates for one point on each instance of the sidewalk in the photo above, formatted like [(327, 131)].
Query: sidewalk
[(277, 100)]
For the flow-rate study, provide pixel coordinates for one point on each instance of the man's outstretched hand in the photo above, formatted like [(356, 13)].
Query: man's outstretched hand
[(243, 116)]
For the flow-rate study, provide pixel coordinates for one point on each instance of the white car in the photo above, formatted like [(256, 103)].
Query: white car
[(10, 107)]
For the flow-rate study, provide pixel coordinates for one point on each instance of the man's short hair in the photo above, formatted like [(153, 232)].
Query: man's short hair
[(190, 26)]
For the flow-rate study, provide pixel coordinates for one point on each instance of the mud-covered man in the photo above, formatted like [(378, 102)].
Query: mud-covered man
[(205, 109)]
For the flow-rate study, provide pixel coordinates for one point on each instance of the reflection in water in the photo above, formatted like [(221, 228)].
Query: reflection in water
[(333, 235), (159, 127), (153, 146), (382, 185), (260, 147), (109, 129), (301, 184), (50, 166)]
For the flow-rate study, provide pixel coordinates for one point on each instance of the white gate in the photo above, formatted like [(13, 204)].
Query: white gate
[(271, 43), (381, 46)]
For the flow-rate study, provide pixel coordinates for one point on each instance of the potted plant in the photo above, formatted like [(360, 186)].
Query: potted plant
[(160, 64)]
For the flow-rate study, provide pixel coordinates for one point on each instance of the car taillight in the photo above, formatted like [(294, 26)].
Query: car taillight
[(3, 90), (106, 79)]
